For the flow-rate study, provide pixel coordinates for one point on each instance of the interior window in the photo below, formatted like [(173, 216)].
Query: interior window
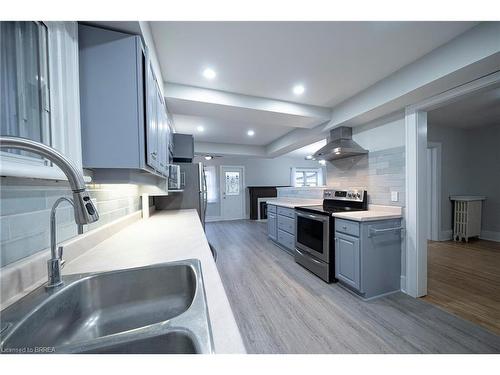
[(211, 184), (24, 84), (307, 177)]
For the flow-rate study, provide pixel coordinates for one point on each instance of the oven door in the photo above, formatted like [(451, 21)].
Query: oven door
[(312, 235)]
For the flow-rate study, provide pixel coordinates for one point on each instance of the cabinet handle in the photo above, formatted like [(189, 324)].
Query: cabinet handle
[(374, 232)]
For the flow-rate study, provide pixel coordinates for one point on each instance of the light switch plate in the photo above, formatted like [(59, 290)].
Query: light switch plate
[(394, 196)]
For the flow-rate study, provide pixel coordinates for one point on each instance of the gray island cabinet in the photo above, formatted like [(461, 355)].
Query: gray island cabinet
[(368, 256), (281, 226)]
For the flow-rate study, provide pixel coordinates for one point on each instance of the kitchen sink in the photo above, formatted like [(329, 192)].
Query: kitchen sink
[(169, 343), (154, 309)]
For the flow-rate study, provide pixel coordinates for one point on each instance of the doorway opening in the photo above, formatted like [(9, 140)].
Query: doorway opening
[(457, 262)]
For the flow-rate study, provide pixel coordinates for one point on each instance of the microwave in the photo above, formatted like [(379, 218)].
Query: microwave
[(174, 177)]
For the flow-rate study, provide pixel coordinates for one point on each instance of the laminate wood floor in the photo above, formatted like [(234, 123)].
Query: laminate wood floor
[(464, 279), (282, 308)]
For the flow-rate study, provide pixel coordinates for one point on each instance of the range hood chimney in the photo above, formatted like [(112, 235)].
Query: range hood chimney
[(340, 145)]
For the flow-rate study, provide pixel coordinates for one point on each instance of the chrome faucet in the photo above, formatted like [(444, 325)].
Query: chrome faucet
[(84, 210)]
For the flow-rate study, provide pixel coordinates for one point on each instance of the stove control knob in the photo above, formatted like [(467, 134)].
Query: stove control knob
[(349, 195), (358, 195)]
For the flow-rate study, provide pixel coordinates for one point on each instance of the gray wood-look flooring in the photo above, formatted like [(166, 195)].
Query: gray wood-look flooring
[(282, 308)]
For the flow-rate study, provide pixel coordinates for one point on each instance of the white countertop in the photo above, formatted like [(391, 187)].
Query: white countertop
[(294, 202), (375, 212), (168, 236), (367, 215)]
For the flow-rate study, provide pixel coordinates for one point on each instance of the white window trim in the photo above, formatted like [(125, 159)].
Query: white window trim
[(64, 106), (307, 169)]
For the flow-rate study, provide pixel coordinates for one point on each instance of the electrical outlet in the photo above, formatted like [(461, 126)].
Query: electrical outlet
[(394, 196)]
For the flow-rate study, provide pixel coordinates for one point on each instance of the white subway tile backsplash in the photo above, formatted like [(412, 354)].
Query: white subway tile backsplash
[(378, 172), (25, 213)]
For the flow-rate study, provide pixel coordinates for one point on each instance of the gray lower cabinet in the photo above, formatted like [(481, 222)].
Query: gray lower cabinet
[(368, 256), (281, 226), (272, 226), (347, 265)]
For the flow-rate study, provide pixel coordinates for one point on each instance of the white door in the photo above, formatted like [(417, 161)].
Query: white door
[(231, 185)]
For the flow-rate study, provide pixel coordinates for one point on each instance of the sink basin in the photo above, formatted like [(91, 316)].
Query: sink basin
[(170, 343), (154, 309)]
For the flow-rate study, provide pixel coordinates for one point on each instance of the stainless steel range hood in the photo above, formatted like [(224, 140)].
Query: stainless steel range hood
[(340, 145)]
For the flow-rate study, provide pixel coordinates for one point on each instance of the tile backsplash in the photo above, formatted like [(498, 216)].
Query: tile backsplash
[(25, 213), (379, 172), (301, 192)]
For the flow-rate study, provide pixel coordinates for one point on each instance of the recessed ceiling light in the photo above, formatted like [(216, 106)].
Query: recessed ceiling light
[(250, 133), (200, 128), (208, 157), (209, 73), (298, 89), (309, 157), (322, 162)]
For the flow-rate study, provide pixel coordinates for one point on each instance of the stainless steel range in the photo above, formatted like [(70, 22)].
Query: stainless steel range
[(315, 228)]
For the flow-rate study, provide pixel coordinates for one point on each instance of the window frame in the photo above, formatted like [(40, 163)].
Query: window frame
[(304, 171), (63, 107)]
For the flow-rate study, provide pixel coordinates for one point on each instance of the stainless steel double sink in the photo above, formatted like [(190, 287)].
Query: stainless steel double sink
[(154, 309)]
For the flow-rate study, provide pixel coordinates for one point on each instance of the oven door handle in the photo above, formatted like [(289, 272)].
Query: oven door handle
[(309, 256), (311, 216)]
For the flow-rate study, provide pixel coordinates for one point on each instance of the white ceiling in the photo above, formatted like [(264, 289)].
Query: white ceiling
[(307, 150), (228, 131), (334, 60), (476, 110)]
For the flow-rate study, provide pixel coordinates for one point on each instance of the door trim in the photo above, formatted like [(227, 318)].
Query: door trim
[(435, 190), (243, 190)]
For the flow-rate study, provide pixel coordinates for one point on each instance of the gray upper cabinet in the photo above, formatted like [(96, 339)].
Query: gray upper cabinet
[(124, 121)]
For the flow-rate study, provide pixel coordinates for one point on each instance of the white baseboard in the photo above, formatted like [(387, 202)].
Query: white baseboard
[(490, 235), (446, 235), (211, 219)]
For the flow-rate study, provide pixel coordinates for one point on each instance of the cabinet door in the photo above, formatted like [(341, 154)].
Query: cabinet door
[(271, 226), (347, 259), (152, 121), (162, 142)]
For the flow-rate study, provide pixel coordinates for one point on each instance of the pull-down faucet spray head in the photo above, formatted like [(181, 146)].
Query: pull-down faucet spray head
[(84, 209)]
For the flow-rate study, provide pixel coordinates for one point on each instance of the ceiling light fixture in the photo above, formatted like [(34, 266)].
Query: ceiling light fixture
[(309, 157), (208, 157), (322, 162), (298, 89), (250, 133), (200, 128), (209, 73)]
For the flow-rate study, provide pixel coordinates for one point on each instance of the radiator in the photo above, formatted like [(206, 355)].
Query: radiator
[(467, 217)]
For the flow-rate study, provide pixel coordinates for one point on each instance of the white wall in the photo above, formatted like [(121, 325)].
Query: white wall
[(258, 172), (383, 134), (470, 165)]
